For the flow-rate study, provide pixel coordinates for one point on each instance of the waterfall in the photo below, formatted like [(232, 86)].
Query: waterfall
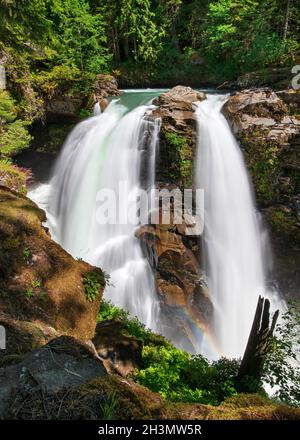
[(97, 109), (233, 240), (112, 151)]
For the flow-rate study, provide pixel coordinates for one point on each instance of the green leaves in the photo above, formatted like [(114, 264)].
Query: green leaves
[(282, 365), (92, 282), (178, 376), (246, 35), (14, 136)]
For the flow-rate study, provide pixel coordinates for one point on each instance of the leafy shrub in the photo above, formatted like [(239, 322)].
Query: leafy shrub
[(92, 282), (132, 326), (14, 136), (178, 376), (62, 78), (282, 365), (8, 111)]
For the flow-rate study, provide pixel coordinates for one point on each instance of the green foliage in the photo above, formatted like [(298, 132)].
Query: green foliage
[(173, 373), (132, 326), (29, 293), (47, 44), (26, 254), (14, 136), (92, 282), (283, 223), (282, 365), (60, 78), (80, 40), (240, 36), (8, 111), (12, 176), (178, 376), (35, 286)]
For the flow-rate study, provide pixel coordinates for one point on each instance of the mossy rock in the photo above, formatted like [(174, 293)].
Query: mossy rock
[(42, 291), (176, 158), (115, 398)]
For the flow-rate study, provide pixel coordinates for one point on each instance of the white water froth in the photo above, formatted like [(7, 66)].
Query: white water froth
[(234, 242), (99, 153)]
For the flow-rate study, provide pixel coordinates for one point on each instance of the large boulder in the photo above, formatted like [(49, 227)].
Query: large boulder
[(42, 288), (122, 352), (104, 87), (62, 364), (254, 107), (176, 108)]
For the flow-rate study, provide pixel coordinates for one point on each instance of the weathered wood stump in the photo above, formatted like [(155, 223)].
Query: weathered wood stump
[(259, 341)]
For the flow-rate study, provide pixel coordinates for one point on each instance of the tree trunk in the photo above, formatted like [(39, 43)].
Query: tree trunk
[(287, 19), (259, 340)]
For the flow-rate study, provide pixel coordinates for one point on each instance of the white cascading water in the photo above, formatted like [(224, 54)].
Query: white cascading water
[(97, 109), (233, 239), (100, 153), (113, 147)]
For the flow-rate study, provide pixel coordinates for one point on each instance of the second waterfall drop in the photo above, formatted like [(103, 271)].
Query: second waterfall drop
[(233, 239)]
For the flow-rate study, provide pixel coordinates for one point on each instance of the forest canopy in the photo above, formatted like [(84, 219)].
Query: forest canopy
[(97, 36)]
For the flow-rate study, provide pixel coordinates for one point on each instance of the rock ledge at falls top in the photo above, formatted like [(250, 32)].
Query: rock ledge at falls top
[(178, 135)]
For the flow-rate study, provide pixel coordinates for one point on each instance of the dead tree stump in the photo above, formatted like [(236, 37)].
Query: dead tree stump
[(259, 341)]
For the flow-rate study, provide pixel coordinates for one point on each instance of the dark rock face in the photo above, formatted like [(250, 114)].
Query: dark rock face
[(70, 106), (177, 135), (42, 294), (123, 353), (62, 364), (267, 125), (277, 78), (67, 106)]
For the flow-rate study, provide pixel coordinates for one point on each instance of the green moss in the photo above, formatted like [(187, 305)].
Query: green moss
[(179, 158), (284, 224), (263, 159)]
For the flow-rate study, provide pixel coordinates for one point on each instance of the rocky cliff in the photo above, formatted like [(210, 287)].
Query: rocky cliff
[(267, 126)]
